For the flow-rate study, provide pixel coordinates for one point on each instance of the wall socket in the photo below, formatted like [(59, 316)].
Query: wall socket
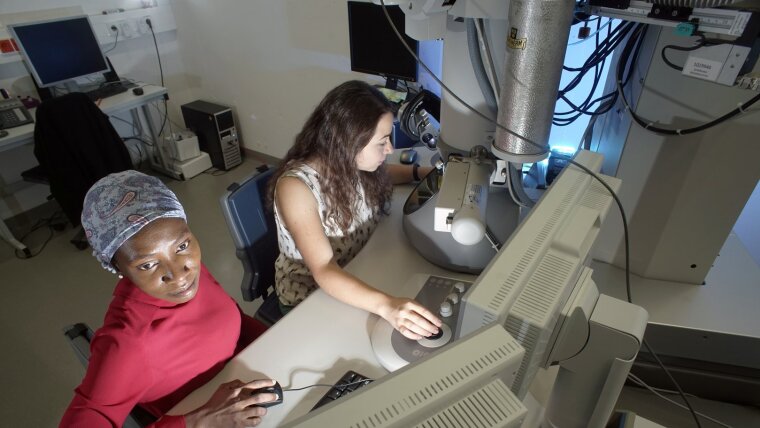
[(112, 28), (142, 24), (128, 28)]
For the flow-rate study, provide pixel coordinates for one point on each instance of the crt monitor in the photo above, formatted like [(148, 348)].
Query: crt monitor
[(59, 50), (540, 289), (375, 48), (465, 382)]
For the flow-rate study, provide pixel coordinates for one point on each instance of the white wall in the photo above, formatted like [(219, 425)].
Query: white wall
[(271, 60)]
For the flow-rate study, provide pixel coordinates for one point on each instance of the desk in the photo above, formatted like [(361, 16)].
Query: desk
[(125, 101), (322, 338)]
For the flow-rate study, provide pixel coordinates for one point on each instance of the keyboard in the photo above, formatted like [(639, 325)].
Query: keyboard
[(348, 383), (108, 90)]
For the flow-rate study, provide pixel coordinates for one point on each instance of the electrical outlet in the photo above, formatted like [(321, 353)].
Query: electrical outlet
[(142, 24), (112, 29), (126, 29)]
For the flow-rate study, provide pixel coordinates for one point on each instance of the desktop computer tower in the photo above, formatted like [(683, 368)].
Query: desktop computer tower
[(216, 131)]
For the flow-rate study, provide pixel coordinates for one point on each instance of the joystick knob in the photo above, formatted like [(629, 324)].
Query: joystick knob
[(436, 336), (445, 310), (459, 286), (453, 298)]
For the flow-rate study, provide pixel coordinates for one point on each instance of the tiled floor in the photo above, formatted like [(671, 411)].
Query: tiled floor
[(63, 285)]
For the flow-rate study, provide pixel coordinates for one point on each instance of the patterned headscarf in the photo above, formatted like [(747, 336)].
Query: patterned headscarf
[(119, 205)]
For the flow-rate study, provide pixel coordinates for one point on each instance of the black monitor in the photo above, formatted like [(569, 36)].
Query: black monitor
[(375, 48), (59, 50)]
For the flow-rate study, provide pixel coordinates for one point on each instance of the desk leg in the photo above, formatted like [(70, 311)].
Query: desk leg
[(158, 154), (8, 236)]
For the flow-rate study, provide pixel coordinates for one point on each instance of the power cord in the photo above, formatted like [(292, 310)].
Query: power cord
[(633, 378), (570, 161), (116, 29), (53, 223), (700, 43), (161, 71)]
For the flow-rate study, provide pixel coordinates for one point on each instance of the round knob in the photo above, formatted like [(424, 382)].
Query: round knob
[(453, 298), (436, 336), (445, 310), (459, 286)]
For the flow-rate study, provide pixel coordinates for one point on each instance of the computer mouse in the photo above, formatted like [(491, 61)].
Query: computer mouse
[(408, 156), (137, 91), (274, 389)]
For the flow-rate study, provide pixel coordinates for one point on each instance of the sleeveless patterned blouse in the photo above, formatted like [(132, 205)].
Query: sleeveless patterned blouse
[(293, 279)]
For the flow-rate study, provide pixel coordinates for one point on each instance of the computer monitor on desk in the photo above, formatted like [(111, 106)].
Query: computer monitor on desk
[(58, 51)]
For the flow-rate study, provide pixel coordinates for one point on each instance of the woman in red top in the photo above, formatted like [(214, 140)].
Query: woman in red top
[(170, 326)]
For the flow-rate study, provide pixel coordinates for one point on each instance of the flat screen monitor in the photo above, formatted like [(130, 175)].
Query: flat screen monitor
[(375, 48), (59, 50)]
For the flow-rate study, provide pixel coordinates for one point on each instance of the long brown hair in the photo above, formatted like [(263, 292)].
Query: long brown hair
[(338, 129)]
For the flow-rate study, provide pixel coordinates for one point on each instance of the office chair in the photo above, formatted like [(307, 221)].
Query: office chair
[(79, 336), (254, 233), (75, 145)]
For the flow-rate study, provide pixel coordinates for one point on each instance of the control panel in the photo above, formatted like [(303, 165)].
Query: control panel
[(440, 295)]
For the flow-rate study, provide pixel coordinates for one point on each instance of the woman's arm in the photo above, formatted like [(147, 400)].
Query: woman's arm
[(401, 174), (298, 210), (116, 379)]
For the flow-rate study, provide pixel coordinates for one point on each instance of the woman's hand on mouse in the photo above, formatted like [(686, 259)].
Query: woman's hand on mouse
[(231, 405), (410, 318)]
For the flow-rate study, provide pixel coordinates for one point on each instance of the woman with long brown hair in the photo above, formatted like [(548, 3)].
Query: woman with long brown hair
[(329, 194)]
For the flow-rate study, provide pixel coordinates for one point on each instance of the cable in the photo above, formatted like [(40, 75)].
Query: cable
[(329, 385), (597, 61), (132, 124), (134, 137), (115, 28), (635, 379), (634, 43), (161, 70), (155, 43), (570, 161), (44, 222), (701, 42), (480, 25), (641, 383)]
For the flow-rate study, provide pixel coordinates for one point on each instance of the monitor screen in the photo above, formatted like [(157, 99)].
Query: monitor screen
[(375, 48), (59, 50)]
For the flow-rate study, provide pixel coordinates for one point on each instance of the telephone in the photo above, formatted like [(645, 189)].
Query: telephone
[(13, 113)]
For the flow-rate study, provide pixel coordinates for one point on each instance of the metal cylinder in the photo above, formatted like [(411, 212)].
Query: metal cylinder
[(537, 37)]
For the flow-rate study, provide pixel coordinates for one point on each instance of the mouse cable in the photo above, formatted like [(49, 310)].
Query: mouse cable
[(329, 385)]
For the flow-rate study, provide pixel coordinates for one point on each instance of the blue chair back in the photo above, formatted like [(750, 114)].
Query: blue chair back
[(253, 231)]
